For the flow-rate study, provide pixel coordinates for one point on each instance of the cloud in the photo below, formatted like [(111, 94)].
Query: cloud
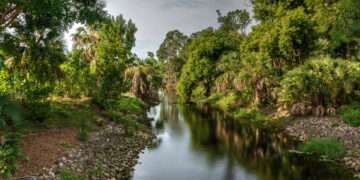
[(154, 18), (183, 4)]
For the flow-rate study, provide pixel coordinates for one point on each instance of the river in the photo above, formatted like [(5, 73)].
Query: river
[(206, 145)]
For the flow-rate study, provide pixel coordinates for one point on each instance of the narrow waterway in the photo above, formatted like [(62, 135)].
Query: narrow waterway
[(194, 145)]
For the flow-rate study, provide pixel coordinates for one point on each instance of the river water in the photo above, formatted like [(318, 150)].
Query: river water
[(205, 145)]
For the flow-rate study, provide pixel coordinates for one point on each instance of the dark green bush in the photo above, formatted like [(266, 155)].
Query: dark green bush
[(329, 147), (125, 104), (37, 111), (325, 81), (83, 135), (350, 114), (9, 153)]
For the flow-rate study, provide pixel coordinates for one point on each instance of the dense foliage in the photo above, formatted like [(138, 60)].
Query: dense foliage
[(35, 68), (323, 81), (329, 148), (300, 54)]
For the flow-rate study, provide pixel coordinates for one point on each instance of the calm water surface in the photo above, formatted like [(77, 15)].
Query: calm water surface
[(194, 145)]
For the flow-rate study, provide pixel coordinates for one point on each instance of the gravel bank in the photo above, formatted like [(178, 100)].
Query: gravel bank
[(110, 154), (305, 128)]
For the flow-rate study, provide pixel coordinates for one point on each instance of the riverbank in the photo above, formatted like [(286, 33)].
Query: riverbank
[(302, 129), (97, 143), (306, 128)]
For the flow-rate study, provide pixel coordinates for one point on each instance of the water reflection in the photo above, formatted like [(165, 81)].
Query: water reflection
[(206, 145)]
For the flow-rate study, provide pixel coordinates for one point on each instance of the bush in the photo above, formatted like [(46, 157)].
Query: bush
[(198, 92), (227, 102), (66, 174), (350, 114), (329, 147), (251, 114), (324, 81), (125, 104), (10, 113), (83, 135), (9, 153), (37, 111)]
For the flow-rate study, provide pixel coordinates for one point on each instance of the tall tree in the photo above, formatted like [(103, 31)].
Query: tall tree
[(113, 52), (169, 54), (345, 34), (237, 20)]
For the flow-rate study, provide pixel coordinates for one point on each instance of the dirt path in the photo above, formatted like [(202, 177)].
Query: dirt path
[(44, 148)]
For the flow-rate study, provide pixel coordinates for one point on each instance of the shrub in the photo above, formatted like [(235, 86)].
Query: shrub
[(329, 147), (324, 81), (127, 120), (251, 114), (10, 113), (83, 135), (37, 111), (126, 104), (9, 153), (350, 114), (198, 92), (227, 102), (66, 174)]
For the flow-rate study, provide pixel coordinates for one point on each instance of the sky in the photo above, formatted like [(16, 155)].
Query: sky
[(154, 18)]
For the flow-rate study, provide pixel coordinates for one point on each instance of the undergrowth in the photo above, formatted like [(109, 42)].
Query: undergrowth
[(350, 114), (330, 148)]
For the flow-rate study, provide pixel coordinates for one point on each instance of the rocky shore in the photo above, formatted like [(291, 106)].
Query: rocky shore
[(305, 128), (110, 153)]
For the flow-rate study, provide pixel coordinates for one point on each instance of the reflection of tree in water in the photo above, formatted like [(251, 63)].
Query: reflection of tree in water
[(169, 114), (257, 150)]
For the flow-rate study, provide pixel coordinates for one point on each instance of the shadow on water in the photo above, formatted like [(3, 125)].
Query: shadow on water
[(205, 145)]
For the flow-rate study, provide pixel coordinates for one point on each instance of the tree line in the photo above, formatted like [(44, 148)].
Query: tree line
[(300, 56)]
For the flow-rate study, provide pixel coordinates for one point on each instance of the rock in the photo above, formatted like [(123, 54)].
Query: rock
[(331, 111), (298, 109), (108, 152), (319, 111)]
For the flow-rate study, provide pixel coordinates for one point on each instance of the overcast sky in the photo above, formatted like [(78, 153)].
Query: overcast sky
[(154, 18)]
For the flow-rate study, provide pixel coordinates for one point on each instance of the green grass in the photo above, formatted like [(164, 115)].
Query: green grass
[(69, 115), (125, 119), (351, 114), (328, 147), (250, 114), (85, 116), (66, 174)]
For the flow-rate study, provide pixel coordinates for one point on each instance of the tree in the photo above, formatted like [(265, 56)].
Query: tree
[(345, 34), (31, 40), (321, 82), (113, 52), (237, 20), (288, 41), (205, 49), (269, 10), (169, 55)]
